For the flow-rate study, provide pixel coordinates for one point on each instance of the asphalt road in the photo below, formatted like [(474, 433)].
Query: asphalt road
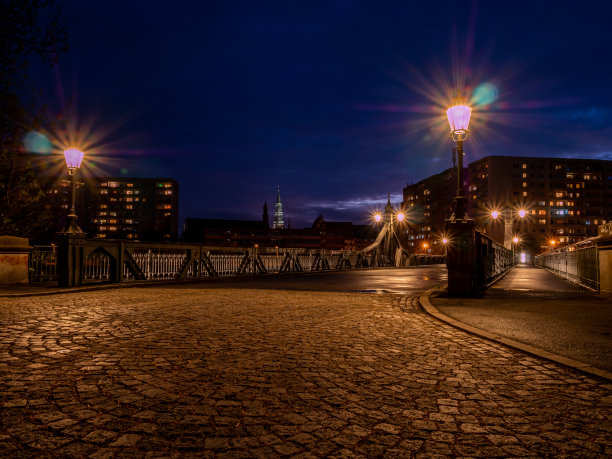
[(382, 280)]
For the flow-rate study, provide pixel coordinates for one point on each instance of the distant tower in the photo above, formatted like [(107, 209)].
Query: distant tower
[(265, 217), (279, 223), (388, 210)]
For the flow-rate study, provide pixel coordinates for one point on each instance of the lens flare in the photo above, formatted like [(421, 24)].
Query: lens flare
[(36, 142), (485, 94)]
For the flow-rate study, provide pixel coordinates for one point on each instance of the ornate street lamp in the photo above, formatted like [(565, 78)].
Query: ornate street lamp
[(459, 120), (508, 217), (73, 161)]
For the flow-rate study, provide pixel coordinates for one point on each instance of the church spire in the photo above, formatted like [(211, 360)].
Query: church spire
[(279, 222)]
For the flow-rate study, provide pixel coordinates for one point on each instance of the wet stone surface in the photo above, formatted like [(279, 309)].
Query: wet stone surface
[(176, 372)]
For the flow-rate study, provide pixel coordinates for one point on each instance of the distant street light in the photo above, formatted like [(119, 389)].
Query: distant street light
[(459, 120), (377, 218), (400, 217), (73, 162), (515, 241)]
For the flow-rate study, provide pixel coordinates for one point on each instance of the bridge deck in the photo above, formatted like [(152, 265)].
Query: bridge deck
[(528, 278), (535, 307)]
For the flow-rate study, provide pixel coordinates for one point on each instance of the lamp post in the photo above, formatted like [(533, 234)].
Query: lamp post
[(459, 120), (508, 221), (73, 161), (515, 241)]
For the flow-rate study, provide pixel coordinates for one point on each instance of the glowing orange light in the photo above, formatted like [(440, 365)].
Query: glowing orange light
[(425, 245), (495, 214), (522, 213), (377, 217), (444, 240), (400, 217), (515, 240), (553, 242)]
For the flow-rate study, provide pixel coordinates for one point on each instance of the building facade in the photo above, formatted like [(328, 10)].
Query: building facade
[(139, 209), (564, 200)]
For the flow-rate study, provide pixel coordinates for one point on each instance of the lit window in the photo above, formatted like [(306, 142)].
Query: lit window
[(524, 166), (542, 222), (525, 193), (524, 174), (113, 184), (524, 184)]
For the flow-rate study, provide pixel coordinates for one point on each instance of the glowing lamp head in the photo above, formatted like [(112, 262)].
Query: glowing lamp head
[(377, 218), (444, 240), (522, 213), (515, 240), (495, 214), (400, 217), (459, 118), (553, 242), (425, 245), (73, 158)]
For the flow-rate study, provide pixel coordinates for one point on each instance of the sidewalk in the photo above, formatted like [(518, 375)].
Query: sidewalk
[(540, 310)]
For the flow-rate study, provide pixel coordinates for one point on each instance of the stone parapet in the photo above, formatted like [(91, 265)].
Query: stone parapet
[(14, 255)]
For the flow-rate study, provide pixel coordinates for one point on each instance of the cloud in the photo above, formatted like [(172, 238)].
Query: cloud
[(354, 203)]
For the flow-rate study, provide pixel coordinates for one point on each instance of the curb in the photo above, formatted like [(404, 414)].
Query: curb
[(565, 361)]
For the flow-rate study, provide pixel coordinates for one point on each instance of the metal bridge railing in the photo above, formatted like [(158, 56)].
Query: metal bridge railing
[(578, 263), (78, 261), (43, 264)]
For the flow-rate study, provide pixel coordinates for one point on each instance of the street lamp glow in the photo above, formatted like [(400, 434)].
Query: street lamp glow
[(425, 245), (73, 159), (495, 214), (515, 240), (377, 217), (522, 213), (444, 240), (459, 118), (553, 242), (400, 217)]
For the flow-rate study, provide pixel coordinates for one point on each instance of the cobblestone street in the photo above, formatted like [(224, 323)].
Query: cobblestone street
[(181, 372)]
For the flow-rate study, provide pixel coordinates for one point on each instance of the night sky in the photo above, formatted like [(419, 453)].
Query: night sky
[(336, 102)]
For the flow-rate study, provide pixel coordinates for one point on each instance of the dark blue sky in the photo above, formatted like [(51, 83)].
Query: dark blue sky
[(338, 102)]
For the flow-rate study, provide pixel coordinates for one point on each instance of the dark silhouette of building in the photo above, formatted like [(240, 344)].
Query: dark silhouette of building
[(248, 233), (564, 199)]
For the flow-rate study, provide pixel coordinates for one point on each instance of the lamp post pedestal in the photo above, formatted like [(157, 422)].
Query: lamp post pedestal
[(460, 257), (70, 258)]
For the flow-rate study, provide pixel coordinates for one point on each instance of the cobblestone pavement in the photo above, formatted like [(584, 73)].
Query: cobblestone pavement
[(171, 372)]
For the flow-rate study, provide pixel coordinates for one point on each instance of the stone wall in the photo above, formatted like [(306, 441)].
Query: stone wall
[(14, 253)]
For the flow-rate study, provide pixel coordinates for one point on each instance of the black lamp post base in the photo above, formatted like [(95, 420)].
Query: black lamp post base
[(73, 227)]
